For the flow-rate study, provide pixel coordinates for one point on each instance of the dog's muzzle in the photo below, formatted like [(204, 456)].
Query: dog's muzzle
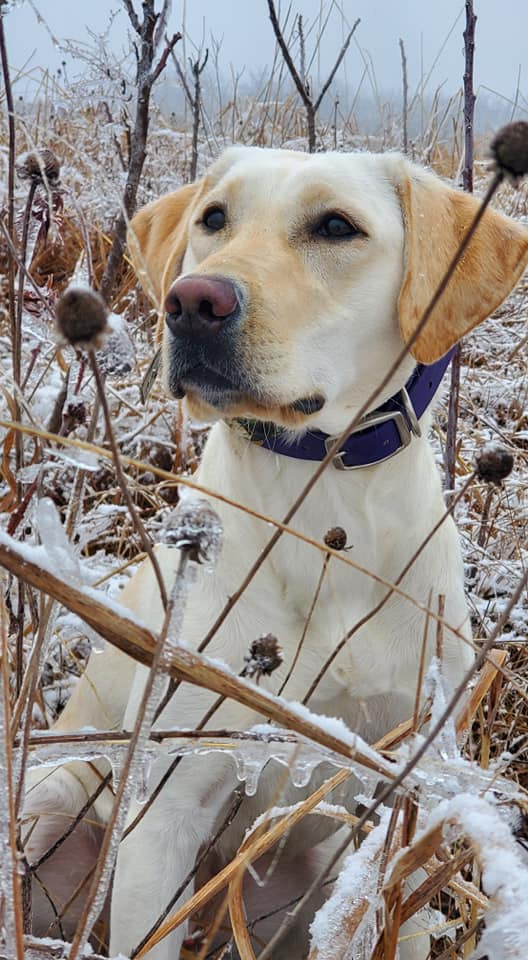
[(204, 320)]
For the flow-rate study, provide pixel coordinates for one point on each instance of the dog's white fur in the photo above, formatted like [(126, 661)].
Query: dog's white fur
[(320, 317)]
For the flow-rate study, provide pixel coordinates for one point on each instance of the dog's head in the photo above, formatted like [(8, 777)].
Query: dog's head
[(288, 282)]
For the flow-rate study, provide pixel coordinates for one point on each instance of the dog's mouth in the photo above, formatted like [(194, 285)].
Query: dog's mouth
[(202, 384), (207, 381), (208, 385)]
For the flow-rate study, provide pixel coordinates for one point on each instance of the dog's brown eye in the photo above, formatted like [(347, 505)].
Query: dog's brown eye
[(336, 227), (214, 218)]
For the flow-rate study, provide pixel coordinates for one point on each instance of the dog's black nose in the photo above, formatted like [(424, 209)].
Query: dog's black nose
[(199, 306)]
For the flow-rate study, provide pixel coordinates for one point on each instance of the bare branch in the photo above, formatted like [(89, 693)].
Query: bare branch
[(132, 15), (183, 79), (287, 56), (147, 74), (195, 103), (161, 25), (197, 69), (405, 96), (467, 175), (301, 82), (337, 64), (162, 62), (302, 49)]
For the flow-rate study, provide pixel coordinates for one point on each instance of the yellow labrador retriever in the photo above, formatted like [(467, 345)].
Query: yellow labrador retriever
[(289, 284)]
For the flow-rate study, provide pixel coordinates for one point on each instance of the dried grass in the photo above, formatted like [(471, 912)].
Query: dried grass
[(161, 450)]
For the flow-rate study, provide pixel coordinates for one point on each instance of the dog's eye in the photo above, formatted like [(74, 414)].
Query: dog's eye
[(336, 227), (214, 218)]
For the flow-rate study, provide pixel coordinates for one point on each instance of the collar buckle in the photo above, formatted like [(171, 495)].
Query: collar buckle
[(406, 423)]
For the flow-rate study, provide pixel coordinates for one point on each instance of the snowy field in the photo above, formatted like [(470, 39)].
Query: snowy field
[(462, 813)]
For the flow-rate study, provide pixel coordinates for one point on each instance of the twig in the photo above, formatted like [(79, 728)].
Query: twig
[(452, 423), (12, 905), (405, 97), (10, 173), (34, 866), (132, 15), (439, 629), (121, 479), (26, 695), (372, 613), (421, 670), (15, 326), (467, 179), (17, 345), (306, 624), (47, 738), (195, 103)]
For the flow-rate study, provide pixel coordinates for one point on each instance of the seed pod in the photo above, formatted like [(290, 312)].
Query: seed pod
[(509, 149), (335, 538), (73, 415), (81, 318), (494, 463), (195, 527), (264, 656), (39, 165)]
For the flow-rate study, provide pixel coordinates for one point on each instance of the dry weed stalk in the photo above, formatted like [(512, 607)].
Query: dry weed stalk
[(280, 526), (467, 180), (260, 842), (386, 792), (194, 99), (495, 709), (405, 107)]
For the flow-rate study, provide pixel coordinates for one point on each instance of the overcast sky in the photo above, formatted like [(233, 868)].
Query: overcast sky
[(430, 29)]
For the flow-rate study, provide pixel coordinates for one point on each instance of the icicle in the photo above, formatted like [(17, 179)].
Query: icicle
[(250, 756), (434, 688), (82, 459), (55, 541), (58, 754)]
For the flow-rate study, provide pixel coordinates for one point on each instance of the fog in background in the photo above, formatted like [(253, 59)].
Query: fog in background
[(242, 35)]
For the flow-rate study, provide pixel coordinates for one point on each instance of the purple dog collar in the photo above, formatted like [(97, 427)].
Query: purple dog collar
[(380, 435)]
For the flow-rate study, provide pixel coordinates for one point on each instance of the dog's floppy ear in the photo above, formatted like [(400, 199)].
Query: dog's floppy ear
[(436, 218), (157, 237)]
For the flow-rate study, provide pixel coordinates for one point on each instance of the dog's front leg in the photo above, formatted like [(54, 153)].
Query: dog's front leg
[(157, 856)]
